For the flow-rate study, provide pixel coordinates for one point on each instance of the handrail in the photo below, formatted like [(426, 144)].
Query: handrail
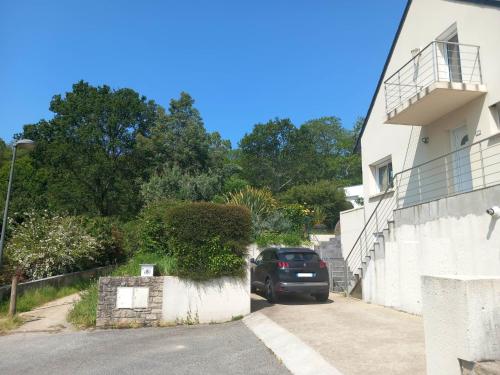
[(392, 188), (423, 49)]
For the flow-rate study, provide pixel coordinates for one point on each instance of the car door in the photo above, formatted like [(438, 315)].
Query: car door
[(257, 271)]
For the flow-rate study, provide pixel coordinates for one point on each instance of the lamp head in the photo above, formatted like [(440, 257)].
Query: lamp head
[(26, 144)]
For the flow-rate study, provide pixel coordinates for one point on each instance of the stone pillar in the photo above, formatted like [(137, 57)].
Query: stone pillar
[(461, 321)]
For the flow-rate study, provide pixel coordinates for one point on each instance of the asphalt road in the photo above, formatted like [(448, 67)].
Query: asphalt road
[(228, 348)]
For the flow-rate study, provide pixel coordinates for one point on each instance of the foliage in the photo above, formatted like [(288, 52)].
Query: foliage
[(173, 183), (324, 194), (279, 155), (44, 245), (89, 152), (109, 233), (319, 215), (286, 239), (206, 260), (84, 312), (208, 240), (8, 324), (193, 224), (164, 265), (260, 202)]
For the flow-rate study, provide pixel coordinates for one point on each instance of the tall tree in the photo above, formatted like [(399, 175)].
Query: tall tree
[(89, 149), (267, 154)]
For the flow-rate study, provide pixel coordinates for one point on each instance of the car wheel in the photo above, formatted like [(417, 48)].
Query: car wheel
[(269, 290), (322, 297)]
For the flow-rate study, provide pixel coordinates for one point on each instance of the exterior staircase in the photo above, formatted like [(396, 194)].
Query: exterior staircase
[(331, 253)]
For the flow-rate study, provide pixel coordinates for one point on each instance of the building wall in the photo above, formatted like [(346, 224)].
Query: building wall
[(351, 224), (476, 25), (450, 236)]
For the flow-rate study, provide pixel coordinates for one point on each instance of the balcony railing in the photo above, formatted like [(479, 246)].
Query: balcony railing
[(437, 62), (469, 168)]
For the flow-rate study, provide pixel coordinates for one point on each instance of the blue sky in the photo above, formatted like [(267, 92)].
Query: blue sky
[(244, 62)]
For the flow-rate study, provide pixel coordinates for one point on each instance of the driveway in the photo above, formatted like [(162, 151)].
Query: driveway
[(228, 348), (355, 337)]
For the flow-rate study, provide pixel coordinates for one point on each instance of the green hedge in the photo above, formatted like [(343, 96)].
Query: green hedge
[(208, 240), (196, 223)]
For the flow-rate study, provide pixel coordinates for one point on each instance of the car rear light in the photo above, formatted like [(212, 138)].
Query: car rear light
[(322, 264), (283, 265)]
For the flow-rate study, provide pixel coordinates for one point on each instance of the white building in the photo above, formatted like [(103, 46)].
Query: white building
[(430, 149), (354, 195)]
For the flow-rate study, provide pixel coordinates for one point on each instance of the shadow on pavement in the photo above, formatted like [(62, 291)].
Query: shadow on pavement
[(258, 302)]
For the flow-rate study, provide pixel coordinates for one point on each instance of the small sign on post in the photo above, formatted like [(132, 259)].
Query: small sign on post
[(147, 269)]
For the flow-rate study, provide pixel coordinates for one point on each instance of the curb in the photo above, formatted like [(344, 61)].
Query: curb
[(295, 354)]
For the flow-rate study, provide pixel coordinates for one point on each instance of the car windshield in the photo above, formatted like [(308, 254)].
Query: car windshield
[(299, 257)]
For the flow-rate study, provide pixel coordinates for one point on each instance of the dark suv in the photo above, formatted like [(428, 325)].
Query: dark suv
[(279, 271)]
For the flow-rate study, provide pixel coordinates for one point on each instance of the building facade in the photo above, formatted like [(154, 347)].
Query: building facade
[(430, 149)]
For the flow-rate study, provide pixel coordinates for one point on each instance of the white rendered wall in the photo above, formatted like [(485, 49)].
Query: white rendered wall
[(351, 224), (451, 236), (461, 320), (213, 301)]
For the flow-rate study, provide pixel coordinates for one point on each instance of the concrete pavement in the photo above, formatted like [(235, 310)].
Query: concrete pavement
[(355, 337), (219, 349), (50, 317)]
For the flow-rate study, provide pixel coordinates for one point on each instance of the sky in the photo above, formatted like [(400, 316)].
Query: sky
[(244, 62)]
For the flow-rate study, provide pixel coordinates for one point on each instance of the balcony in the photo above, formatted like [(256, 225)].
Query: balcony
[(439, 79)]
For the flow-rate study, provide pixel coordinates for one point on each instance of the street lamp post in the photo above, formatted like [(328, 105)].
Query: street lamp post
[(22, 143)]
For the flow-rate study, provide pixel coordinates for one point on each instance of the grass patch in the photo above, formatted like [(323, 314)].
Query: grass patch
[(36, 297), (163, 265), (83, 314), (8, 324)]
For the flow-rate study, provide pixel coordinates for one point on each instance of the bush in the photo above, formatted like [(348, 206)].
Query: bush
[(208, 240), (324, 194), (44, 245), (164, 265), (148, 233), (196, 223), (109, 233)]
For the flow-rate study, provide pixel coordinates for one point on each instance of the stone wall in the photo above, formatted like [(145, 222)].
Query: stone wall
[(148, 314)]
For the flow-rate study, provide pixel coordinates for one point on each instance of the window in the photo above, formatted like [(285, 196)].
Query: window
[(269, 255), (299, 257), (384, 175)]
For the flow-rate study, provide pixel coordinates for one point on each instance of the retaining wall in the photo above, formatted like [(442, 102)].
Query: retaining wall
[(56, 281)]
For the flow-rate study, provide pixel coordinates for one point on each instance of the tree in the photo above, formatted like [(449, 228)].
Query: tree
[(333, 146), (268, 155), (88, 149)]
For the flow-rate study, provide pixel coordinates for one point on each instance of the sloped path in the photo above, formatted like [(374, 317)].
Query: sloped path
[(50, 317)]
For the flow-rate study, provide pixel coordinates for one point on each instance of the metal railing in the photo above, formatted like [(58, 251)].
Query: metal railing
[(437, 62), (466, 169)]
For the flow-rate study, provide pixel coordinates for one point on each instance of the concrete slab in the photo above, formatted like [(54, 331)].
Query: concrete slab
[(355, 337)]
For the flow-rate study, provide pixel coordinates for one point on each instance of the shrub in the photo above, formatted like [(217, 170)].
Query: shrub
[(196, 223), (149, 233), (109, 233), (260, 202), (44, 245), (164, 265), (84, 312), (208, 240), (324, 194)]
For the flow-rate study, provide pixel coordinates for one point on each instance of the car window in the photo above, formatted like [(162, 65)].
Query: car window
[(299, 257), (259, 258), (267, 256)]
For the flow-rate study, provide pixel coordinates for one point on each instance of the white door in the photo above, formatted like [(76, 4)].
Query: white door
[(462, 175)]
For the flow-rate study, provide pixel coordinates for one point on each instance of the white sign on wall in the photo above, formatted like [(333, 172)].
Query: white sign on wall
[(130, 298)]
